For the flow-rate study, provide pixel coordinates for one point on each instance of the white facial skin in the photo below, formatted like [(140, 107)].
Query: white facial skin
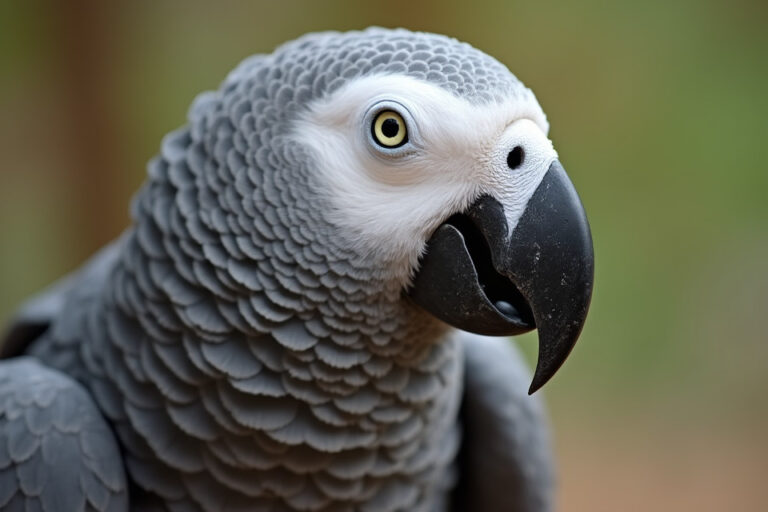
[(392, 200)]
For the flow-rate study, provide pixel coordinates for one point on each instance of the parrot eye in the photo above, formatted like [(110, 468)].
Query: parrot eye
[(388, 129), (515, 157)]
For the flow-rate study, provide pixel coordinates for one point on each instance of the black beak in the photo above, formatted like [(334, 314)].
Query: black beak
[(479, 277)]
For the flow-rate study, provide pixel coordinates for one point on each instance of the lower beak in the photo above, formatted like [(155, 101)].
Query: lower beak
[(479, 277)]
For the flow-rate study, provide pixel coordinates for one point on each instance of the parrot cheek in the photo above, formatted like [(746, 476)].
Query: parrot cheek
[(481, 275)]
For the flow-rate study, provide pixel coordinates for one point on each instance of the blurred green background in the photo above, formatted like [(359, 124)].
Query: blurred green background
[(658, 109)]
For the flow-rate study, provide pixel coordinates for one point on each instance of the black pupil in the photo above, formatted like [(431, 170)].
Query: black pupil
[(390, 127), (515, 157)]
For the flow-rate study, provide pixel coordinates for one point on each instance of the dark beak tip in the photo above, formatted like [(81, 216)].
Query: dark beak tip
[(549, 364), (536, 385)]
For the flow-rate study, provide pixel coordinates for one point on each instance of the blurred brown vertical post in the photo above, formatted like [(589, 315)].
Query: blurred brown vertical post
[(87, 36)]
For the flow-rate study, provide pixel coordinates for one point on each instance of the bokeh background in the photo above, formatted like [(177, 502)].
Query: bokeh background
[(659, 111)]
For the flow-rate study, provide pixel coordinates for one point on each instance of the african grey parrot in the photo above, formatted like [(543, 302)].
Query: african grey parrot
[(278, 328)]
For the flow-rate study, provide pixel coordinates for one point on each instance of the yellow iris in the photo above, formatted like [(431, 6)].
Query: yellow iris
[(389, 129)]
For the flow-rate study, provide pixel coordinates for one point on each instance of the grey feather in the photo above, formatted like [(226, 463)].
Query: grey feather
[(258, 412), (266, 383), (69, 459), (244, 351), (35, 316), (507, 459), (232, 358), (194, 420)]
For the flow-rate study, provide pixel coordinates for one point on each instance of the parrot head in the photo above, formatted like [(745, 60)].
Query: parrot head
[(415, 158), (465, 199)]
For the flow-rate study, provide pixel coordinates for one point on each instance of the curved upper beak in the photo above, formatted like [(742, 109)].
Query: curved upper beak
[(481, 276)]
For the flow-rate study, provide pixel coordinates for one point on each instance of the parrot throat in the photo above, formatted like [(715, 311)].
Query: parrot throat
[(341, 410)]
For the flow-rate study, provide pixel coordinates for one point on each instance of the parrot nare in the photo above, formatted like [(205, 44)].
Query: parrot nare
[(308, 311)]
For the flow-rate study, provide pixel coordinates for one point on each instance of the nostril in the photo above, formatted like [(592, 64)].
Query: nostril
[(515, 157)]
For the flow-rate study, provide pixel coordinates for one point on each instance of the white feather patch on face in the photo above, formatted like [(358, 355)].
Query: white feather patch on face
[(391, 201)]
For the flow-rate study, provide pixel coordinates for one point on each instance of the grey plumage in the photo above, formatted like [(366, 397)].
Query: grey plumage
[(247, 356), (56, 449), (504, 464)]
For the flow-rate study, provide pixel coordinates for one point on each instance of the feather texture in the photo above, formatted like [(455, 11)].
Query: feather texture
[(248, 352), (56, 450)]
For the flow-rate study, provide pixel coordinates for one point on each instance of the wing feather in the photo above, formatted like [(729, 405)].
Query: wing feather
[(505, 462), (56, 450)]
